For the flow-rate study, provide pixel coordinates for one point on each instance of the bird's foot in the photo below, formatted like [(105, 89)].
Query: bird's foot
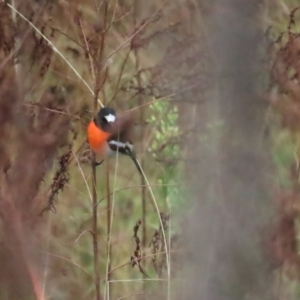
[(96, 164)]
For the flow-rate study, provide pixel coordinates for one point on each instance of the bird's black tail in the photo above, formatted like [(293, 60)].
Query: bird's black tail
[(132, 155)]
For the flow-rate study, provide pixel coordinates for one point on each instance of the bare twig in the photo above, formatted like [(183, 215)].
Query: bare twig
[(140, 102), (54, 48), (108, 218), (98, 73)]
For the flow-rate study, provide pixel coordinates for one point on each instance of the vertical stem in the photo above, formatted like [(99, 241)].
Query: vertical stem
[(144, 210), (140, 102), (95, 205), (144, 207), (108, 220), (17, 65), (95, 226)]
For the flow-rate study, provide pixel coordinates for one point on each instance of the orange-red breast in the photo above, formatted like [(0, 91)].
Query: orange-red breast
[(109, 134), (99, 131)]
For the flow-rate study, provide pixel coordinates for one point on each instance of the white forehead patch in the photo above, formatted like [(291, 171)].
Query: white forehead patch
[(110, 118)]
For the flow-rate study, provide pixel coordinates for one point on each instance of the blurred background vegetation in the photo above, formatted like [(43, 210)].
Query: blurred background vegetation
[(59, 60)]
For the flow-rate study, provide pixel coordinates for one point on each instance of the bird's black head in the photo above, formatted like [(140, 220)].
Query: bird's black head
[(105, 117)]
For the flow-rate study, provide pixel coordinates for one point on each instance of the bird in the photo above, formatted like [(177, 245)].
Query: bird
[(109, 134)]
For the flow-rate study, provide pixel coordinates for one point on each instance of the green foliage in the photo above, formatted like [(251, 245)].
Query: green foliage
[(283, 156), (166, 148)]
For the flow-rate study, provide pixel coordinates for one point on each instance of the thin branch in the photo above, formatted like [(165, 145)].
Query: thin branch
[(122, 16), (130, 295), (120, 76), (89, 53), (54, 48), (108, 218), (98, 73), (74, 41), (140, 102), (111, 222), (160, 221), (54, 111), (129, 262), (70, 261), (95, 229), (138, 186), (83, 177), (138, 31)]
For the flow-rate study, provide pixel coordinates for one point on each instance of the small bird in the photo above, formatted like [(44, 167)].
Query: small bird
[(109, 134)]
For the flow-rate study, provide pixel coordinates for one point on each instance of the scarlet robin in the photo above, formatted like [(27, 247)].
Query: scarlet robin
[(109, 134)]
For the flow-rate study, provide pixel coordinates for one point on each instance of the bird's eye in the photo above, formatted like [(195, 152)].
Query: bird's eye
[(104, 120)]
